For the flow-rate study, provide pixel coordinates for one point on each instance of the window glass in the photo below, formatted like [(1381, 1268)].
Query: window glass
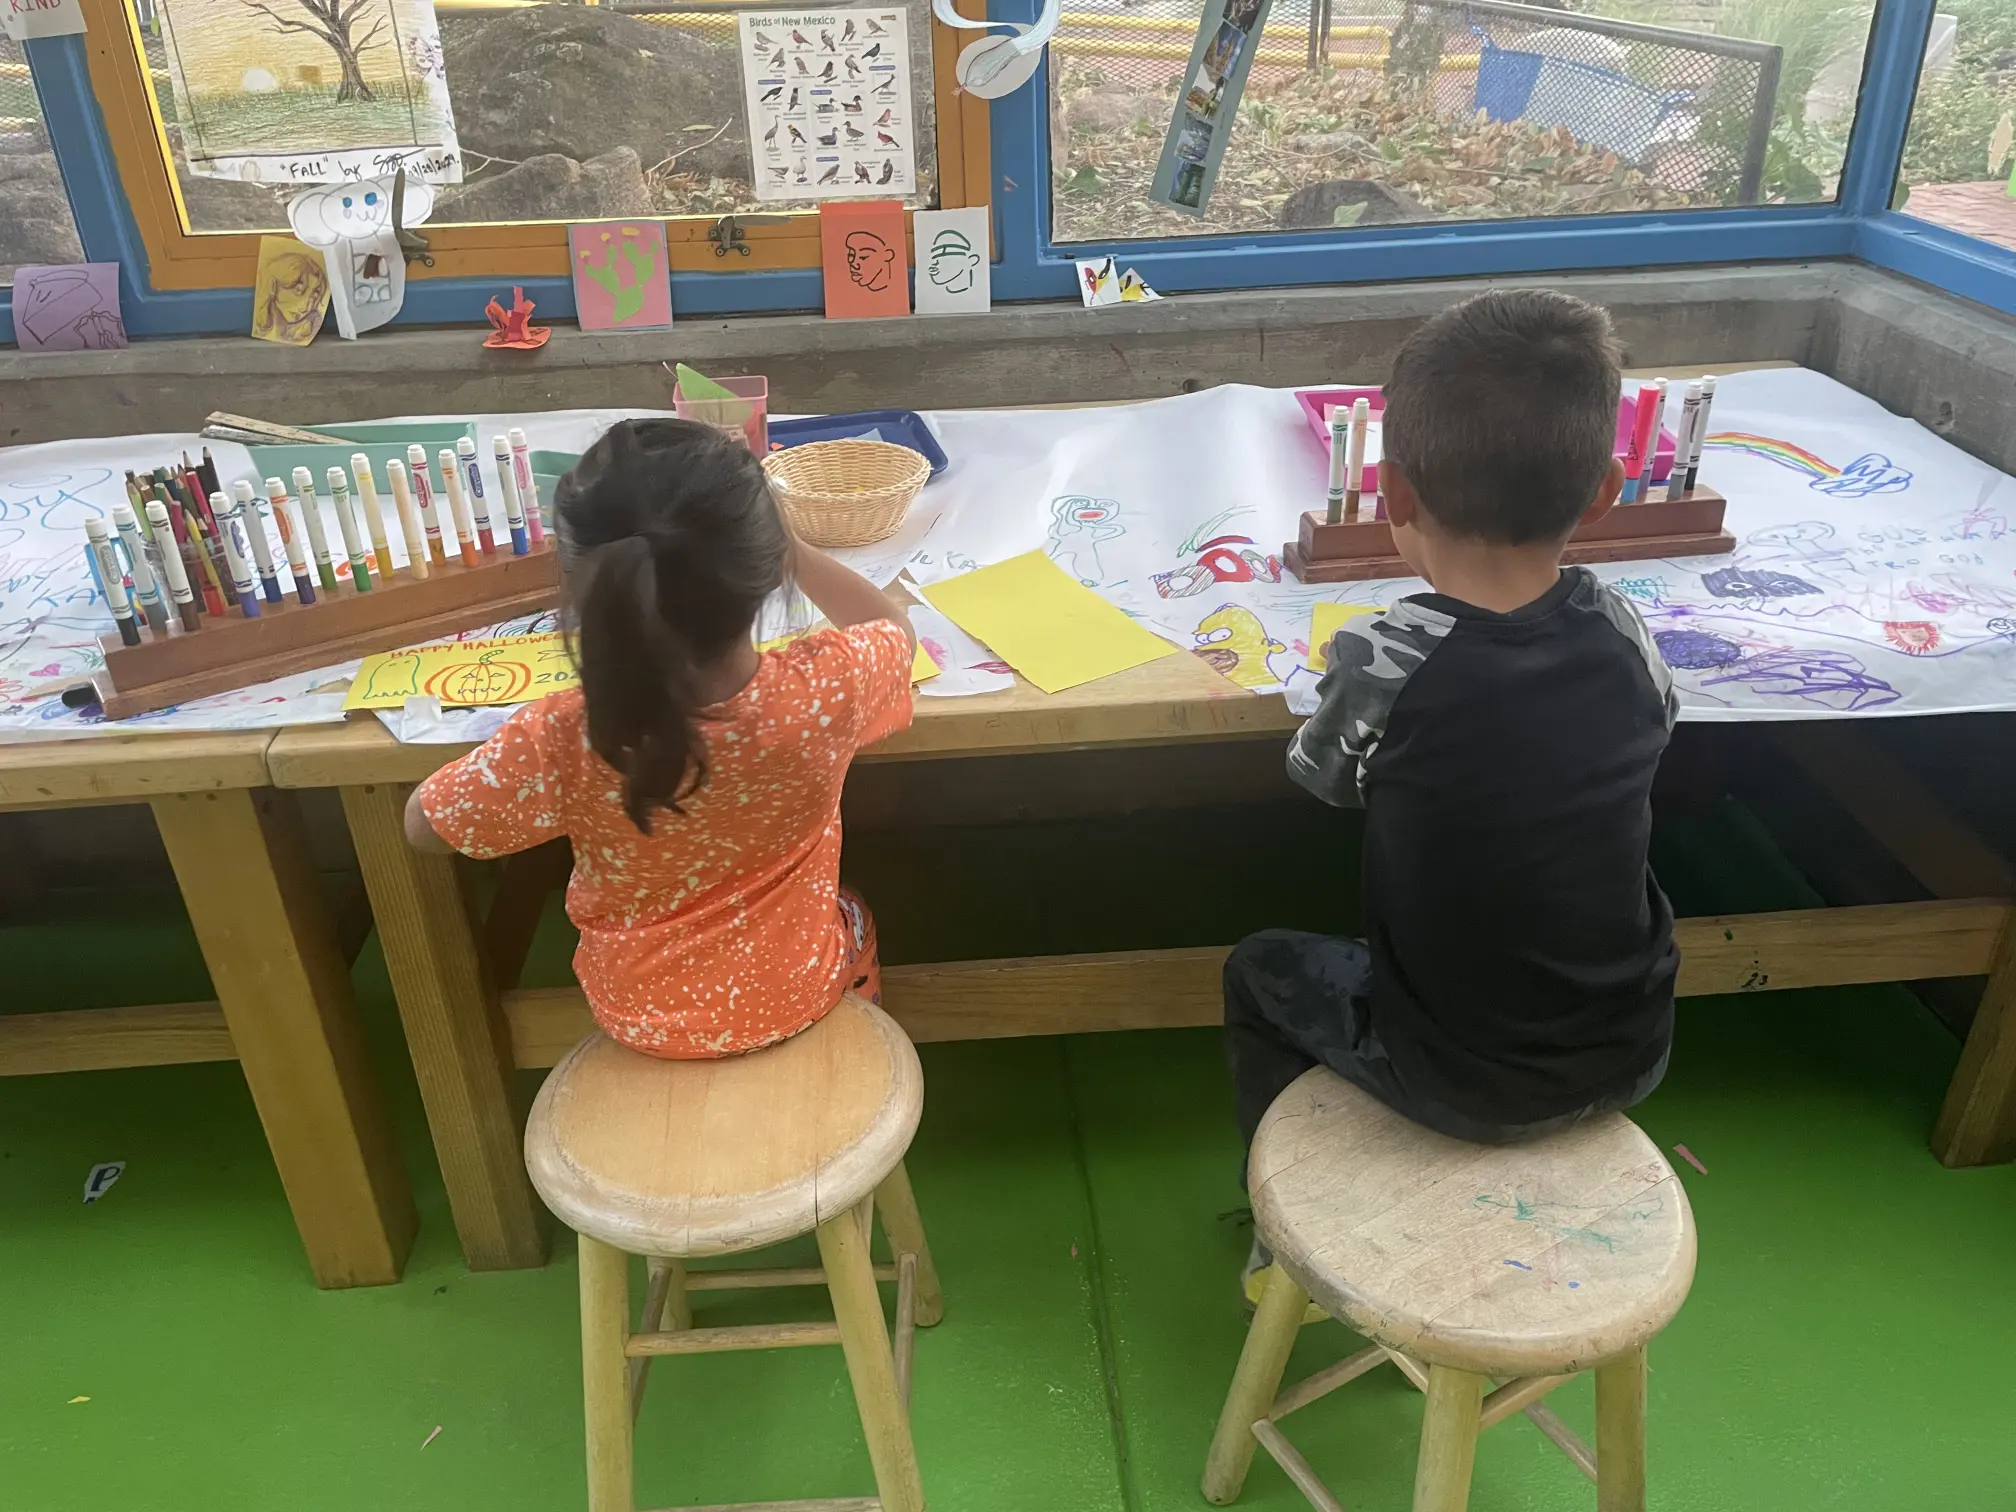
[(1361, 112), (561, 112), (36, 225), (1959, 170)]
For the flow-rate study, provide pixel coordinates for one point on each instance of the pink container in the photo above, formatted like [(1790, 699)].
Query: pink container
[(1315, 401), (746, 416)]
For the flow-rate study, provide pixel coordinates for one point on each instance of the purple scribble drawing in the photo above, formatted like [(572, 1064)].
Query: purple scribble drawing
[(1695, 650), (1833, 678), (1979, 524), (1753, 583), (1870, 473)]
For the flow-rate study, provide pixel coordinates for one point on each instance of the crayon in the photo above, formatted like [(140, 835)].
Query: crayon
[(247, 508), (1636, 463), (1700, 433), (112, 581), (318, 535), (173, 567), (346, 521), (237, 552), (431, 509), (194, 562), (507, 485), (374, 512), (472, 473), (528, 485), (451, 478), (1354, 465), (409, 518), (215, 565), (207, 473), (146, 583), (290, 539)]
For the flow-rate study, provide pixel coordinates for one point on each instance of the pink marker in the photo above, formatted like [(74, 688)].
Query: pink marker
[(528, 485), (1644, 431)]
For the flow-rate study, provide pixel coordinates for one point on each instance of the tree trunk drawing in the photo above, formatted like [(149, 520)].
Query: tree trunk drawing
[(335, 23)]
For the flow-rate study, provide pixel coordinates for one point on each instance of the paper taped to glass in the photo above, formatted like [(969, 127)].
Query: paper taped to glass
[(310, 91)]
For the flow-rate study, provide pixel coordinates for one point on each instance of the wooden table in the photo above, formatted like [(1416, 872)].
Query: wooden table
[(284, 1008), (469, 1023)]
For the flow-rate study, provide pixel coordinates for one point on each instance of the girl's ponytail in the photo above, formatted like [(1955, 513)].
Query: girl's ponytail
[(671, 543)]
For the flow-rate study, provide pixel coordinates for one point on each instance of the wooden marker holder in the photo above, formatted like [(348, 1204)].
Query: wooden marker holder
[(1363, 548), (288, 637)]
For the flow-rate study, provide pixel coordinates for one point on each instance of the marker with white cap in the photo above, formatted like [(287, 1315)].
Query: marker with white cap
[(507, 485), (172, 568), (409, 518), (528, 485), (318, 537), (255, 532), (146, 587), (113, 580), (290, 539)]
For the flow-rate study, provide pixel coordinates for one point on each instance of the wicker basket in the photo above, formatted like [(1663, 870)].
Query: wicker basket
[(846, 493)]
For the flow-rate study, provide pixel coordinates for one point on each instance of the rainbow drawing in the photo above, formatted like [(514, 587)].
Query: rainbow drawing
[(1870, 473)]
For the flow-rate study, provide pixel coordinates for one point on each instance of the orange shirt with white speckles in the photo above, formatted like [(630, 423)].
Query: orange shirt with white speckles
[(718, 932)]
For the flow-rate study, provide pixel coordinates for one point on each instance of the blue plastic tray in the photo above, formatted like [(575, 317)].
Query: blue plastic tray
[(904, 427)]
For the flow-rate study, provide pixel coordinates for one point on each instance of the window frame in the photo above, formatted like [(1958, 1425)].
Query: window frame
[(180, 259), (1005, 150)]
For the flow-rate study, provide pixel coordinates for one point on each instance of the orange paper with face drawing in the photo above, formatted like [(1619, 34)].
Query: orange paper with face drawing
[(867, 266)]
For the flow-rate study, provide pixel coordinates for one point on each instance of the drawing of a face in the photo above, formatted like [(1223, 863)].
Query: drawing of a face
[(290, 305), (953, 263), (869, 260), (355, 212)]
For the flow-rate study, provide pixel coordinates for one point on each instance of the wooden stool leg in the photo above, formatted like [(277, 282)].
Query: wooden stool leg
[(605, 1375), (242, 862), (905, 1228), (1620, 1434), (1448, 1440), (667, 1309), (864, 1338), (1276, 1322)]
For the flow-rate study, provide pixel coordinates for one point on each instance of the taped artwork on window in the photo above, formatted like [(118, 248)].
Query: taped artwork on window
[(310, 91)]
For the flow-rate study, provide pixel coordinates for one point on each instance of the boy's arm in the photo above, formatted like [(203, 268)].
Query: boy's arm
[(1370, 660)]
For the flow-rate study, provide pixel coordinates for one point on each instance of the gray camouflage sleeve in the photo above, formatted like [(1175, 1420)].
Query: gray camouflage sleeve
[(1370, 660)]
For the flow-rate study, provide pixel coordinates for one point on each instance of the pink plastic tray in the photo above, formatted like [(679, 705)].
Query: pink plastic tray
[(1315, 401)]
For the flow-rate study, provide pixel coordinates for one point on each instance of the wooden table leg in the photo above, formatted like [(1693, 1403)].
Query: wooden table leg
[(251, 893), (1977, 1125), (455, 1030)]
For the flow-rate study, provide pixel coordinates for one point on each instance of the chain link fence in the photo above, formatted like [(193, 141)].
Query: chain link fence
[(1358, 112)]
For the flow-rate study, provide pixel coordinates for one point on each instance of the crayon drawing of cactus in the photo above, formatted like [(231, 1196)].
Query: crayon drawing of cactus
[(622, 250)]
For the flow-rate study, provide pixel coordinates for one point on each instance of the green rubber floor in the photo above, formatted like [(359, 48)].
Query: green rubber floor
[(1846, 1344)]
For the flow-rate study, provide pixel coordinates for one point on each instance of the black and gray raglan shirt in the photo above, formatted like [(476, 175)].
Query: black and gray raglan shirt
[(1522, 954)]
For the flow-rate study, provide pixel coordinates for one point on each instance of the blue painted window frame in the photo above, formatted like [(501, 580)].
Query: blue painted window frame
[(1030, 266)]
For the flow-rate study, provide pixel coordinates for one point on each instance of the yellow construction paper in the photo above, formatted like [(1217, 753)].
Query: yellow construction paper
[(1323, 624), (515, 669), (1045, 624)]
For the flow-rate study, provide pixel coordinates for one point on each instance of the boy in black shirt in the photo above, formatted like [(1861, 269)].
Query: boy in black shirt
[(1501, 732)]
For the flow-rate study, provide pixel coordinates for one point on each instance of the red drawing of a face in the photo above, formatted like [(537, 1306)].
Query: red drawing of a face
[(869, 260)]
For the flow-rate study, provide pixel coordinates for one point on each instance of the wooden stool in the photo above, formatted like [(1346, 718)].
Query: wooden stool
[(680, 1159), (1489, 1274)]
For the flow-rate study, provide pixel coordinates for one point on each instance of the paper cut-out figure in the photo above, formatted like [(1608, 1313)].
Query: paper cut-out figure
[(620, 275), (68, 308), (513, 327), (1077, 525), (869, 260), (352, 226), (396, 677), (1237, 646)]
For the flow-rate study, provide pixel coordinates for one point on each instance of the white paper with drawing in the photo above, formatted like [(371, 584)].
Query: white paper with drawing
[(828, 95), (352, 226), (310, 91), (1876, 570)]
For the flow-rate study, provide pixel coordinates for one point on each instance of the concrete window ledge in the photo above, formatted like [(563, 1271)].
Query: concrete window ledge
[(1922, 353)]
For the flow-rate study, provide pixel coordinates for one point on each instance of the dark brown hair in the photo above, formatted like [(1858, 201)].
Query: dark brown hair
[(671, 542), (1502, 411)]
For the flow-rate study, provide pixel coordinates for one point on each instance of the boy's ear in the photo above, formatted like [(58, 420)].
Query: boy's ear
[(1402, 503), (1606, 494)]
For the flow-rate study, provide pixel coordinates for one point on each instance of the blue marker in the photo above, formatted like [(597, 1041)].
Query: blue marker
[(514, 507), (465, 452), (237, 552)]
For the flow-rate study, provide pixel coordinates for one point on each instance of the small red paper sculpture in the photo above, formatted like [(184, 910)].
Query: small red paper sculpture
[(513, 327)]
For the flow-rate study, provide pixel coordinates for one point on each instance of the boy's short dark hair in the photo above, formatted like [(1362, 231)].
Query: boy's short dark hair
[(1502, 411)]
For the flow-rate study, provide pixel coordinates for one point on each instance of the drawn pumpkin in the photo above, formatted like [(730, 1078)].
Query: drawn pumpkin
[(490, 679)]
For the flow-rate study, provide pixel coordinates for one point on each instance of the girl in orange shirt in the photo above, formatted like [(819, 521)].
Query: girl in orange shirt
[(698, 779)]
